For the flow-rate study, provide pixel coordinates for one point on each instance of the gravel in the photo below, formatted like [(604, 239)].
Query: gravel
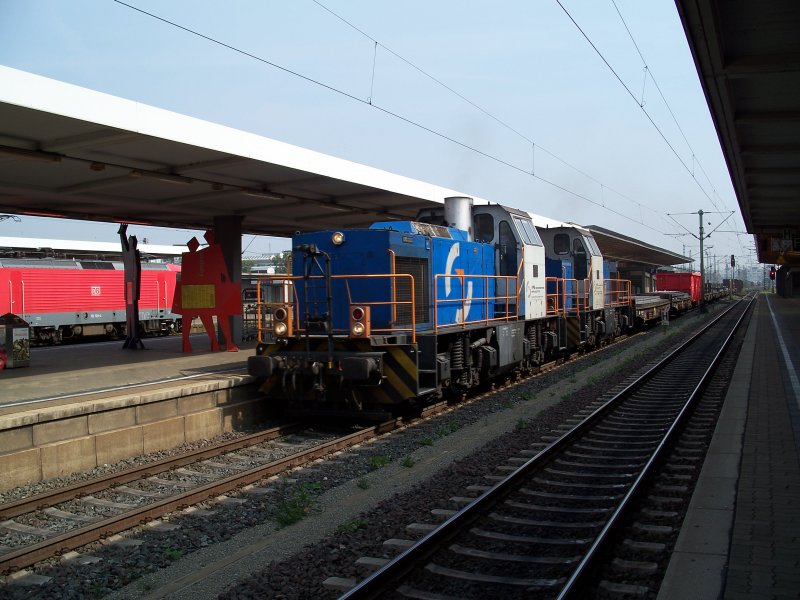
[(349, 504)]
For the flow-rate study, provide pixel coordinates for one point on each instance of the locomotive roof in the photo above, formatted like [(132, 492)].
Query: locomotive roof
[(41, 247), (417, 227)]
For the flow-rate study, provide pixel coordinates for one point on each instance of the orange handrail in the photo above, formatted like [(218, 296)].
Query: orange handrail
[(554, 301), (393, 257), (617, 292), (290, 291), (463, 300), (557, 303)]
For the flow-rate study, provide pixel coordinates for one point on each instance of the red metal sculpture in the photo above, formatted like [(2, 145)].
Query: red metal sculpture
[(205, 290)]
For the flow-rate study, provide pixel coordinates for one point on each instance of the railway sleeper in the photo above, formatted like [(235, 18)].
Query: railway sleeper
[(624, 590), (546, 524)]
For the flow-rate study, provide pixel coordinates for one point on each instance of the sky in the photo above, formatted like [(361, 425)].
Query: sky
[(588, 111)]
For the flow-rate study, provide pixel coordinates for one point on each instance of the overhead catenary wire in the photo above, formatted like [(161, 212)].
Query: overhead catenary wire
[(641, 104), (649, 73), (370, 102), (495, 118), (630, 93)]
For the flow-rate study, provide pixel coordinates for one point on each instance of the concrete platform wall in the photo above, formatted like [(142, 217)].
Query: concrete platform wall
[(58, 441)]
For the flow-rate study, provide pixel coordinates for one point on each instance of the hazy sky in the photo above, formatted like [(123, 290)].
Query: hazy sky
[(548, 102)]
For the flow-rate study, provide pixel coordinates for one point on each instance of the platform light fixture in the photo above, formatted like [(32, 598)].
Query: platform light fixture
[(37, 155), (336, 207), (260, 194), (165, 177)]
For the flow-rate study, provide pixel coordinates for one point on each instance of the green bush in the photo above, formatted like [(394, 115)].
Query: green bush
[(297, 503), (376, 462), (351, 526)]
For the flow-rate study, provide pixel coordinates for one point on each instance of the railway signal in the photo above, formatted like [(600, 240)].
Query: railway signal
[(772, 273)]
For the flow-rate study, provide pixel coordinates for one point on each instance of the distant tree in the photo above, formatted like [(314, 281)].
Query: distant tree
[(279, 261), (248, 264)]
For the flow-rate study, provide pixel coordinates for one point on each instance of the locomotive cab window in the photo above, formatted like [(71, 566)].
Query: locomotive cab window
[(484, 228), (526, 237), (593, 247), (530, 235), (561, 243)]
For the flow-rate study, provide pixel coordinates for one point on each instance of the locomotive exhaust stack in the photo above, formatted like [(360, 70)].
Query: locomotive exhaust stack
[(458, 214)]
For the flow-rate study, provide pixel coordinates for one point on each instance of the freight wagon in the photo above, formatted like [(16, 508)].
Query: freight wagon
[(680, 281)]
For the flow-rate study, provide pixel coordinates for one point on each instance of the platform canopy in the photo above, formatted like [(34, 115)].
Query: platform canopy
[(747, 55), (619, 247), (66, 151)]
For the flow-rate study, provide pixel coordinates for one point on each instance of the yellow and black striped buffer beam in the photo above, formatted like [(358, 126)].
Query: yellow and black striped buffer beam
[(573, 332), (401, 374)]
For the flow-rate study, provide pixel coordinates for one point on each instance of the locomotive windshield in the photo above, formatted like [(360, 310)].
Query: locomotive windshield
[(528, 233), (592, 245)]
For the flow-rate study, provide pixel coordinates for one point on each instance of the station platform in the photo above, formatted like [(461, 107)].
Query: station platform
[(65, 373), (77, 407), (741, 536)]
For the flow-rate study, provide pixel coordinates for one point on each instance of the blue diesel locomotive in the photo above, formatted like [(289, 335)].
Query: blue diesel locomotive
[(383, 318)]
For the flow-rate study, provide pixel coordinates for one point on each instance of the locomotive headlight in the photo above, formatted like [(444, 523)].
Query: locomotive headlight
[(280, 329), (337, 238), (279, 314), (359, 321)]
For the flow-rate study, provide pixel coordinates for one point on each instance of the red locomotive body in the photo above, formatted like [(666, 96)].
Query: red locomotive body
[(63, 299), (680, 281)]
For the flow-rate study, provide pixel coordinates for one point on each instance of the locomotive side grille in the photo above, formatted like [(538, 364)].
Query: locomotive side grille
[(418, 269), (96, 264)]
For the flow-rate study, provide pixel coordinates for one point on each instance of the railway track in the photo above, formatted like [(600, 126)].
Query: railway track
[(47, 525), (546, 529), (50, 524)]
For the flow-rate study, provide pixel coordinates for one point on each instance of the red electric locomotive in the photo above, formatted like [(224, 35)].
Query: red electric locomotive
[(70, 299)]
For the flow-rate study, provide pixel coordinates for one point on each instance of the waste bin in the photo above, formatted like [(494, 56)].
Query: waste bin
[(15, 345)]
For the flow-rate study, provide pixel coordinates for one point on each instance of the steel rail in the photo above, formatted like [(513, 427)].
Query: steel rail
[(84, 488), (382, 579), (30, 555), (573, 584)]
